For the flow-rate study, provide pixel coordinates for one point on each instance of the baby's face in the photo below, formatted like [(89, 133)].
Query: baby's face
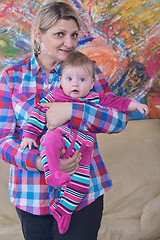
[(76, 81)]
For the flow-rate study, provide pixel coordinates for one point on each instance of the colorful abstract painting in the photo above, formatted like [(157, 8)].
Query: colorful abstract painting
[(122, 36)]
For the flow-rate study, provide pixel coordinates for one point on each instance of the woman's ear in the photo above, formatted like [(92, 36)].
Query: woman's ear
[(37, 35)]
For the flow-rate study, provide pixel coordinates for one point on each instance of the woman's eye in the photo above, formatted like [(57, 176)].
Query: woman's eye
[(75, 35), (60, 34)]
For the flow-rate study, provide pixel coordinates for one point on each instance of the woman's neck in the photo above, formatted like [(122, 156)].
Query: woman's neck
[(46, 63)]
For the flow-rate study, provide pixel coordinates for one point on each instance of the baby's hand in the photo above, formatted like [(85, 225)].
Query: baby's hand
[(28, 142), (143, 108)]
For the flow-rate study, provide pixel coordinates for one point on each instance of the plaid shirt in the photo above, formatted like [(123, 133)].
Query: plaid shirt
[(21, 87)]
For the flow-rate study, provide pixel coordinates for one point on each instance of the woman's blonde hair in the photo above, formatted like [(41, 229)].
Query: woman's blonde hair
[(47, 16), (76, 59)]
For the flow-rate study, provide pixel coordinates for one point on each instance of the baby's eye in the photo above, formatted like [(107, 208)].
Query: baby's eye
[(82, 79), (69, 78)]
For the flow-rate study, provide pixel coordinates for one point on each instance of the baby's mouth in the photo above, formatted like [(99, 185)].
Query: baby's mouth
[(75, 91)]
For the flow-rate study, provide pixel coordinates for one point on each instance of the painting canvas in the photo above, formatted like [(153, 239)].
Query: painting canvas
[(122, 36)]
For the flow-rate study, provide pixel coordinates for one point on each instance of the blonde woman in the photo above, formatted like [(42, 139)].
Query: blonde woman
[(54, 36)]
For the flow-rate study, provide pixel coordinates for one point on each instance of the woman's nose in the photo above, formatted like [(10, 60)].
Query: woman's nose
[(68, 42)]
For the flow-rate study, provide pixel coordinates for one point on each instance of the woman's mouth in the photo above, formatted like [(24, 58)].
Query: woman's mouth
[(65, 50)]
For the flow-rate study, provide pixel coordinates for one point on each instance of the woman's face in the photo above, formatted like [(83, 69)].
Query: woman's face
[(58, 41)]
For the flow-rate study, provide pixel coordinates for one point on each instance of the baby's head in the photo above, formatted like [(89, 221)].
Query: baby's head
[(77, 75)]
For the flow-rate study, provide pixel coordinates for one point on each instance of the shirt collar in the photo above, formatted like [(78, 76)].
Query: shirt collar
[(35, 68), (34, 65)]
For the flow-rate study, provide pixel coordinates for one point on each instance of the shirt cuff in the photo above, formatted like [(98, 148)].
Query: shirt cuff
[(30, 161), (77, 115)]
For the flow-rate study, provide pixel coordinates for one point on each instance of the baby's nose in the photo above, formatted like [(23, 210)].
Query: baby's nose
[(75, 83)]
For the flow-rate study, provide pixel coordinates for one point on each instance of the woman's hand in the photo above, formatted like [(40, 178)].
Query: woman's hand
[(71, 164), (58, 113)]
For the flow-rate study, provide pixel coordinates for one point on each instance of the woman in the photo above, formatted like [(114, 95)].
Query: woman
[(54, 35)]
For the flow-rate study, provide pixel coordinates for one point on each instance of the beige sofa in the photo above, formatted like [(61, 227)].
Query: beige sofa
[(132, 206)]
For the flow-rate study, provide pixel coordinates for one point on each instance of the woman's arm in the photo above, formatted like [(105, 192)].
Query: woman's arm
[(97, 119), (10, 151), (62, 111), (86, 117)]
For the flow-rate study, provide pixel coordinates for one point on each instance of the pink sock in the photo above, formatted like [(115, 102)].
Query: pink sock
[(63, 220), (58, 179)]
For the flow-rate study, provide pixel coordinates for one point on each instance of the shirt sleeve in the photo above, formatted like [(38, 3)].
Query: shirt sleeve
[(10, 151), (113, 101), (97, 118)]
